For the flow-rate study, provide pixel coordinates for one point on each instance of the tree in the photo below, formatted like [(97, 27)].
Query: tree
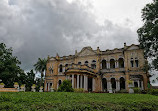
[(40, 66), (66, 86), (30, 80), (148, 33), (9, 66)]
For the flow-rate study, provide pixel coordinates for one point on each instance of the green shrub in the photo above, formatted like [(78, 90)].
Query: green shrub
[(137, 90), (65, 86), (81, 90), (123, 91), (153, 91)]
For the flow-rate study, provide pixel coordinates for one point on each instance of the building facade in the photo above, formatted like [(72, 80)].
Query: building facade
[(99, 71)]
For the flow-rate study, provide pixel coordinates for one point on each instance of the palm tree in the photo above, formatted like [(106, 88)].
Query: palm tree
[(40, 66)]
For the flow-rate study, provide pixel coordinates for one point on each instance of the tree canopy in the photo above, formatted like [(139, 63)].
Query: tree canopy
[(40, 66), (148, 33), (9, 66)]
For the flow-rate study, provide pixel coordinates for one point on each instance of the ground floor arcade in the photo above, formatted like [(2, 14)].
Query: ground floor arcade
[(93, 83)]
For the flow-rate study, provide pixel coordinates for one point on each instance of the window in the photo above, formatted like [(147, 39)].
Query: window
[(66, 66), (60, 68), (137, 62), (93, 65), (121, 63), (86, 63), (79, 63), (104, 64), (132, 62), (112, 63), (60, 82)]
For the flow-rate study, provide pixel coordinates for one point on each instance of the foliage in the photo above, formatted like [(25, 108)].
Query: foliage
[(66, 86), (137, 90), (123, 91), (130, 82), (30, 80), (80, 90), (69, 101), (38, 80), (148, 33), (9, 66), (40, 66), (153, 91)]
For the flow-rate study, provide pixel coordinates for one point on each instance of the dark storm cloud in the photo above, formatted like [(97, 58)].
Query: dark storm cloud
[(37, 28)]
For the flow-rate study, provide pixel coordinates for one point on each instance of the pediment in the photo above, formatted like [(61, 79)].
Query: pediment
[(133, 47), (86, 52), (52, 59)]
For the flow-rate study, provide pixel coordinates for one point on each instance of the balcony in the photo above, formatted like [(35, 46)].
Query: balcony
[(112, 70), (76, 68)]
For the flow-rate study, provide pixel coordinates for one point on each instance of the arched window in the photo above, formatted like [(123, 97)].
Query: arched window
[(104, 64), (79, 63), (60, 82), (60, 68), (132, 62), (50, 70), (112, 63), (86, 63), (113, 83), (104, 84), (93, 65), (66, 66), (122, 83), (137, 62), (121, 63)]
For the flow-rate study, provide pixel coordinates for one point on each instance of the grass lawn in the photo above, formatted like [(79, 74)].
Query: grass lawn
[(77, 101)]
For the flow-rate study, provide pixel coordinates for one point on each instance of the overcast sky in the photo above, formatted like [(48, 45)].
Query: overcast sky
[(38, 28)]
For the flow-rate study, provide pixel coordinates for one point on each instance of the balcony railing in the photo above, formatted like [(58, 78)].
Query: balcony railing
[(79, 67)]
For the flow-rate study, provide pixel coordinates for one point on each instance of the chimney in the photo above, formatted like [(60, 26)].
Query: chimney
[(125, 45), (75, 52), (57, 56), (98, 50)]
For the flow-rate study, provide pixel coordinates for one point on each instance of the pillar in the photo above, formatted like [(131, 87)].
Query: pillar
[(108, 84), (77, 81), (85, 82), (115, 64), (49, 86), (80, 81), (107, 65), (142, 85), (93, 83), (66, 77), (117, 85), (72, 80), (138, 84)]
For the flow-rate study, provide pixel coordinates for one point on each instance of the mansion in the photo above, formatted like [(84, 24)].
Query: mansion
[(98, 71)]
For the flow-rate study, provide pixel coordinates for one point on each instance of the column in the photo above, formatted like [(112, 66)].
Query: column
[(66, 77), (107, 64), (85, 82), (45, 86), (80, 81), (77, 81), (138, 84), (48, 86), (93, 89), (117, 85), (115, 64), (142, 85), (72, 80), (108, 85)]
